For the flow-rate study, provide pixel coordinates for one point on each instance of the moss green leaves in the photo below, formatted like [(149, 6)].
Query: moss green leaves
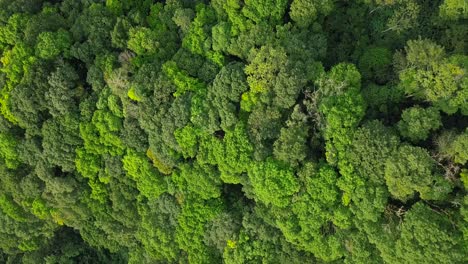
[(412, 170), (273, 182)]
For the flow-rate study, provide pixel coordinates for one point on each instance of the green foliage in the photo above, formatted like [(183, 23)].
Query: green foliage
[(157, 230), (52, 44), (291, 146), (198, 38), (235, 156), (273, 182), (340, 78), (225, 93), (272, 79), (428, 74), (453, 9), (13, 210), (342, 106), (142, 41), (404, 16), (100, 135), (238, 131), (62, 88), (15, 63), (428, 236), (187, 140), (305, 12), (383, 101), (269, 10), (375, 64), (120, 33), (12, 31), (198, 180), (183, 18), (60, 138), (416, 123), (261, 71), (88, 164), (363, 170), (313, 225), (412, 170), (149, 182), (453, 146), (259, 242), (8, 150), (181, 79), (458, 148), (190, 229)]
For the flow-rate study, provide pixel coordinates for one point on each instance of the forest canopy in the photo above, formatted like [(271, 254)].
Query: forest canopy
[(238, 131)]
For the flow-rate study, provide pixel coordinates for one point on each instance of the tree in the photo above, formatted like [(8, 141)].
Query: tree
[(183, 18), (91, 30), (458, 148), (157, 229), (61, 136), (271, 10), (400, 15), (240, 131), (66, 245), (453, 146), (257, 241), (428, 236), (12, 31), (453, 10), (120, 33), (404, 16), (235, 156), (52, 44), (342, 106), (198, 180), (198, 38), (28, 100), (8, 151), (191, 227), (264, 127), (100, 136), (427, 74), (181, 80), (149, 182), (310, 222), (383, 101), (272, 79), (412, 170), (225, 93), (273, 183), (363, 170), (416, 123), (133, 136), (62, 88), (305, 12), (291, 146), (375, 64), (142, 41), (15, 63), (49, 19)]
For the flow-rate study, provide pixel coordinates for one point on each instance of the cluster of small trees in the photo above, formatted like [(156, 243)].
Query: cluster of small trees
[(256, 131)]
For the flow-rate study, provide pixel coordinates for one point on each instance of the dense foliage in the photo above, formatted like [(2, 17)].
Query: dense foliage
[(230, 131)]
